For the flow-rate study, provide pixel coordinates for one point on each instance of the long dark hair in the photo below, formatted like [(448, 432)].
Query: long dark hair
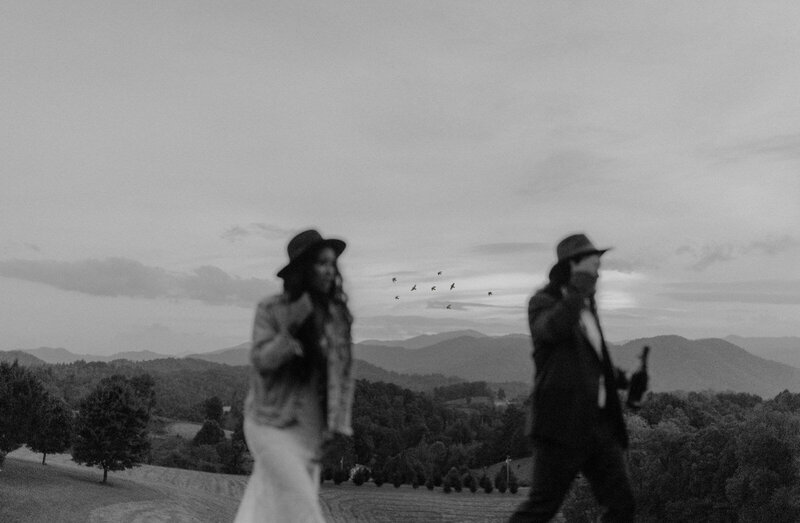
[(298, 281), (560, 274)]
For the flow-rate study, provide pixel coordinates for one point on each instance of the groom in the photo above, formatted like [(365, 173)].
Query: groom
[(575, 421)]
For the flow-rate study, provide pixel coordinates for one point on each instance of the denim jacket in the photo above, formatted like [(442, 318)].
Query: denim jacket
[(273, 398)]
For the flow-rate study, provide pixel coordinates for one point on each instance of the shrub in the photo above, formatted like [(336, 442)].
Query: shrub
[(500, 480), (453, 480), (378, 478), (209, 434), (360, 476), (339, 476)]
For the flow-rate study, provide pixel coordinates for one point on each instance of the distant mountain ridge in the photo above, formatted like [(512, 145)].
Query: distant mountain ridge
[(784, 349), (61, 355), (425, 340), (676, 363), (238, 355)]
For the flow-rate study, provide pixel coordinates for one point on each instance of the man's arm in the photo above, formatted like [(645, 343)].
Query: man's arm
[(552, 319)]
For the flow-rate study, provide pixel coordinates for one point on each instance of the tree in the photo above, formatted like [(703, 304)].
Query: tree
[(209, 434), (52, 428), (486, 483), (21, 396), (111, 428), (500, 480), (145, 387), (212, 407), (469, 481), (513, 483), (453, 480), (360, 475)]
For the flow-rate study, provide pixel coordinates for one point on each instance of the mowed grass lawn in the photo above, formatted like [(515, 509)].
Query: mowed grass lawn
[(63, 491)]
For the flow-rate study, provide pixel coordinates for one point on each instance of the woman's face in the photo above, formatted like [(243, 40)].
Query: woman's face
[(323, 270)]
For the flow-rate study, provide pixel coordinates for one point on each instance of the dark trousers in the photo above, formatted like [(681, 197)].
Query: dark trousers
[(555, 467)]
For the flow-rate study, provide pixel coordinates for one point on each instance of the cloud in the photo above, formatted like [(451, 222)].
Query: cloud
[(503, 248), (125, 277), (785, 146), (162, 338), (567, 170), (710, 254), (464, 305), (772, 292), (624, 266), (263, 230), (772, 246)]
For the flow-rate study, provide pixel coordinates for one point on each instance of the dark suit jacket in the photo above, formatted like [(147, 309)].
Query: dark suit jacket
[(566, 381)]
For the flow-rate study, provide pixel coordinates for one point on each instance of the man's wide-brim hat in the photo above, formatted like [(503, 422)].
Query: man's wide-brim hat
[(576, 245), (306, 243)]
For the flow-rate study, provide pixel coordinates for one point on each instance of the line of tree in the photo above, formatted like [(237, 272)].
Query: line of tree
[(726, 457), (109, 429), (406, 437)]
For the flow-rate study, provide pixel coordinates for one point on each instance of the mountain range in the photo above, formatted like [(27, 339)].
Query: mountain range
[(784, 350), (676, 363)]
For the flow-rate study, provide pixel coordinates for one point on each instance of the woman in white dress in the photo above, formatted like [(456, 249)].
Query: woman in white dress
[(301, 385)]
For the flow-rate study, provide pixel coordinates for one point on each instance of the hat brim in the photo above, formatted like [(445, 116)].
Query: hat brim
[(598, 252), (337, 245)]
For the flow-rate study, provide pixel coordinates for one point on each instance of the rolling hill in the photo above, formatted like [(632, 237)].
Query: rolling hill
[(238, 355), (676, 363), (425, 340), (21, 357), (496, 359), (784, 349)]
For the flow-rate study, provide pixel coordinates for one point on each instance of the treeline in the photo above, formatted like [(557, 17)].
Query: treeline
[(406, 437), (717, 457), (108, 430), (180, 385), (110, 427), (723, 457), (472, 389)]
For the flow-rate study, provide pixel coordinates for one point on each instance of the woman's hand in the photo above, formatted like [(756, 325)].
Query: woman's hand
[(290, 317)]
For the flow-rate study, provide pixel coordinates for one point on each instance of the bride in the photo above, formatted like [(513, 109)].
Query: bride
[(301, 385)]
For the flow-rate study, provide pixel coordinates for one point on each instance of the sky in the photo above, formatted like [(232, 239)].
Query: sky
[(158, 156)]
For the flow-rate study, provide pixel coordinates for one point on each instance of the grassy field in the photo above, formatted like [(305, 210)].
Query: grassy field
[(65, 492), (187, 430)]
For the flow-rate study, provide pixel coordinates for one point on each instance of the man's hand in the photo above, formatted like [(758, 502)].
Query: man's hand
[(583, 282)]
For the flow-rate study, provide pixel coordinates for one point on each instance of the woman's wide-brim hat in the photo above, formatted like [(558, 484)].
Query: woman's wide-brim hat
[(576, 245), (305, 243)]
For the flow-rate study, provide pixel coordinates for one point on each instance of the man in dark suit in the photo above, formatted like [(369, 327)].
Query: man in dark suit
[(575, 419)]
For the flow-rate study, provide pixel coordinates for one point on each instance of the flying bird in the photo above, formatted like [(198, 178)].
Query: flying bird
[(433, 288), (439, 273), (449, 306), (394, 280), (452, 286), (490, 293), (397, 297), (414, 287)]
